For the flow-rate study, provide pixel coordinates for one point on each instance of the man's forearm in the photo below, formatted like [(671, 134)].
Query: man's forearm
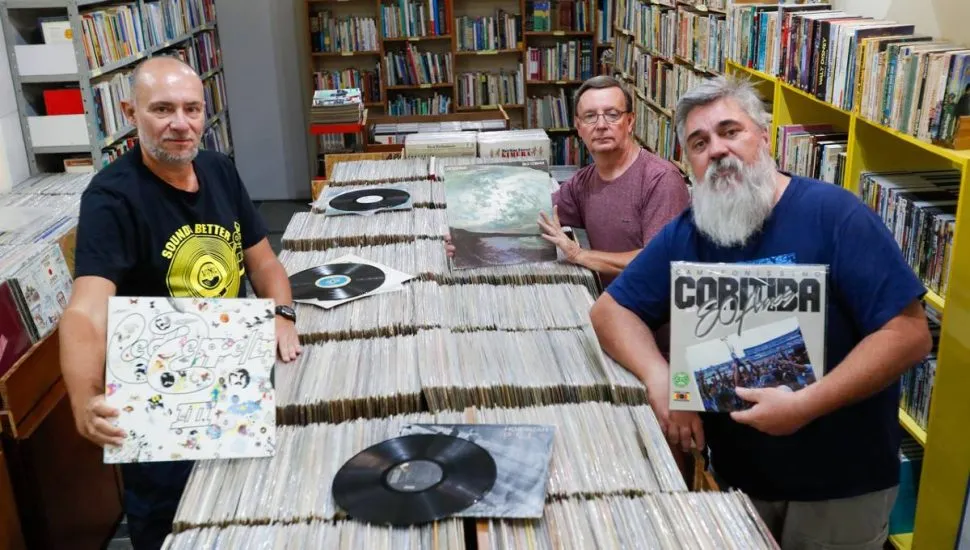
[(873, 364), (627, 339), (607, 263), (270, 281), (82, 354)]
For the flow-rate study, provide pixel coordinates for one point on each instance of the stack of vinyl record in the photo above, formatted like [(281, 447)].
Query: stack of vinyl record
[(507, 346), (336, 106)]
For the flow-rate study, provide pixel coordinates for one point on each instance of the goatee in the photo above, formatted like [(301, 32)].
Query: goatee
[(733, 200)]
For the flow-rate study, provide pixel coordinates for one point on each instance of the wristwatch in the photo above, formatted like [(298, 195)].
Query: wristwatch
[(286, 312)]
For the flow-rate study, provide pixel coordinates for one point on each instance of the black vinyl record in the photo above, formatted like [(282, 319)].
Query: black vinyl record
[(336, 281), (369, 199), (414, 479)]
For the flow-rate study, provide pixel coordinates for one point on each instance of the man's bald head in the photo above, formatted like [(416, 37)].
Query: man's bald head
[(168, 108), (159, 71)]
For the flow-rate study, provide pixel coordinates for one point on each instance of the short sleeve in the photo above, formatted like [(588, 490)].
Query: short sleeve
[(568, 207), (869, 272), (253, 228), (666, 200), (643, 286), (106, 237)]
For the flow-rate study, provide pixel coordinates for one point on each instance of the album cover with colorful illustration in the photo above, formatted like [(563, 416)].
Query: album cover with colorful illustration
[(744, 325), (191, 378)]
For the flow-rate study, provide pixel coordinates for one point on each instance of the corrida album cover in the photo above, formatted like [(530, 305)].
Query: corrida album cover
[(748, 325)]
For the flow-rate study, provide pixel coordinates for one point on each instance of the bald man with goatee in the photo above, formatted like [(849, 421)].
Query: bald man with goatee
[(147, 221)]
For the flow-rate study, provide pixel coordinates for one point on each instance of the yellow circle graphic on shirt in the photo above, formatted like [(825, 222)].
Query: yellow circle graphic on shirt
[(204, 266)]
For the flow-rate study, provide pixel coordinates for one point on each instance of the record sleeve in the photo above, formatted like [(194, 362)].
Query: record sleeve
[(493, 212), (522, 455), (367, 201), (414, 479), (747, 325), (343, 279), (191, 378)]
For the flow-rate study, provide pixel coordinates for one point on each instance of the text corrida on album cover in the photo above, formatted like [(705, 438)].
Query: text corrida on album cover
[(744, 325)]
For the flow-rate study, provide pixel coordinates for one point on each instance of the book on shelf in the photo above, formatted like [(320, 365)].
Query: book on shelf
[(605, 11), (570, 60), (403, 105), (169, 19), (902, 518), (207, 51), (332, 34), (369, 82), (550, 111), (814, 151), (569, 150), (409, 18), (491, 88), (655, 28), (214, 89), (700, 40), (186, 53), (916, 384), (558, 15), (412, 67), (216, 137), (498, 32), (108, 95), (919, 208), (112, 34)]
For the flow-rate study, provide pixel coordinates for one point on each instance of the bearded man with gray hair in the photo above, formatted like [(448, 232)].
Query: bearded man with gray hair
[(821, 463)]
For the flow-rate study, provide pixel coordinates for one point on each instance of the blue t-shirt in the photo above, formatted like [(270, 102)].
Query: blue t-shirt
[(853, 450)]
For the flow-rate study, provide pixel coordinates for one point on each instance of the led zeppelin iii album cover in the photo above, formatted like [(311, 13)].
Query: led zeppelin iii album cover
[(191, 378)]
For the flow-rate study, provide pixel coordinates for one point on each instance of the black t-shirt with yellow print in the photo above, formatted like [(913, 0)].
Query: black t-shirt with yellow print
[(152, 239)]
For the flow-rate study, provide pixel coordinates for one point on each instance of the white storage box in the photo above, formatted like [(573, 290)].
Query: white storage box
[(58, 130), (46, 59)]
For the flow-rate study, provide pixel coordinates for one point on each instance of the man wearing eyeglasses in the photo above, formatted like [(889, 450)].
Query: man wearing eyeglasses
[(624, 198)]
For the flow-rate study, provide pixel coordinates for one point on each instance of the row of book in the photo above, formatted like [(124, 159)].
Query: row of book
[(118, 148), (570, 60), (550, 111), (216, 136), (186, 53), (916, 384), (605, 10), (170, 19), (112, 34), (214, 89), (493, 32), (569, 150), (491, 88), (884, 70), (413, 67), (207, 52), (330, 34), (414, 18), (558, 15), (657, 78), (402, 105), (902, 519), (701, 40), (368, 82), (343, 106), (919, 208), (108, 96), (812, 150)]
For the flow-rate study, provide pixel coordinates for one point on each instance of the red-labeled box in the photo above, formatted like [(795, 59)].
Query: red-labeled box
[(63, 102)]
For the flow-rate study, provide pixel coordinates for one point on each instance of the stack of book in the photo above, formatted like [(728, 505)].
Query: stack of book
[(343, 106)]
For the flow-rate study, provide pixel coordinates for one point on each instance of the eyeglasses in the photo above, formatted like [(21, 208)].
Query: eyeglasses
[(611, 117)]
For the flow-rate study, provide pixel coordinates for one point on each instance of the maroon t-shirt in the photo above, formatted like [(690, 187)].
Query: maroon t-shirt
[(623, 214)]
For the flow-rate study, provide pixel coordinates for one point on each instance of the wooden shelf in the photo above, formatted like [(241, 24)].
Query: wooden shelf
[(438, 85), (418, 38), (463, 53), (553, 82), (560, 33), (346, 54), (489, 107), (902, 541)]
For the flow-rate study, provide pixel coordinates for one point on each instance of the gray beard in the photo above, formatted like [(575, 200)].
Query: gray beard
[(729, 209), (164, 156)]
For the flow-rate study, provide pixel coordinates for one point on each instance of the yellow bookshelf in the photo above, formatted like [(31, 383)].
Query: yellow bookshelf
[(871, 146)]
